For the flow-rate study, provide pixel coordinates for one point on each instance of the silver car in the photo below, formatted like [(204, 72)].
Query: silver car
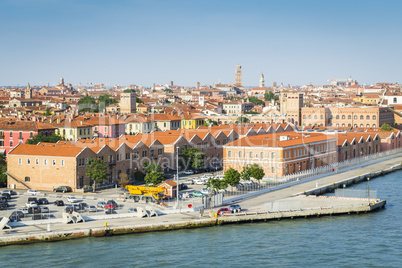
[(44, 209), (101, 204), (92, 209)]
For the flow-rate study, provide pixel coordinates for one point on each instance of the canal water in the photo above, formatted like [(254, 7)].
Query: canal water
[(365, 240)]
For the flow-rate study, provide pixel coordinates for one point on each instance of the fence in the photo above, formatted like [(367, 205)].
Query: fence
[(356, 193)]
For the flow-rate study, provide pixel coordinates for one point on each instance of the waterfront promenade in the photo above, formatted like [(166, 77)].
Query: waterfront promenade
[(61, 231)]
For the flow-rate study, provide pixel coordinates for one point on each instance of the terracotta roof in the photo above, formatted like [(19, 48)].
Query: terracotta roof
[(23, 125), (169, 182), (46, 150)]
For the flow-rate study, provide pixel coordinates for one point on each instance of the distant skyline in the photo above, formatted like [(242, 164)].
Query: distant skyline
[(143, 42)]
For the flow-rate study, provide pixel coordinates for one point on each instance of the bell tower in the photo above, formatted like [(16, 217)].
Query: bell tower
[(28, 92)]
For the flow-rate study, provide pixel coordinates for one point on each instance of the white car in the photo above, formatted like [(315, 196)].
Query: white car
[(72, 199), (188, 172), (31, 204), (23, 210), (32, 192), (206, 191), (92, 209)]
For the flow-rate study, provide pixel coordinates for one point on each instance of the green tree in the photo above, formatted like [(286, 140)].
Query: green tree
[(168, 90), (232, 177), (256, 101), (242, 119), (139, 100), (48, 111), (216, 184), (123, 180), (104, 101), (87, 104), (270, 96), (139, 176), (130, 90), (96, 170), (53, 138), (153, 175), (3, 168), (245, 174), (386, 127), (256, 172), (192, 158)]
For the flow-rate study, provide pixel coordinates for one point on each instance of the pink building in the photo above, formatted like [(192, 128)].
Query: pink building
[(16, 132), (107, 126)]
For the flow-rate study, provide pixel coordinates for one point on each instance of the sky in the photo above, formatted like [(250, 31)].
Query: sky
[(155, 41)]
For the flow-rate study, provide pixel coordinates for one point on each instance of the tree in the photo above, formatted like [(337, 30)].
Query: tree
[(270, 96), (139, 100), (3, 168), (53, 138), (216, 184), (139, 176), (168, 90), (87, 104), (257, 172), (192, 157), (232, 177), (242, 119), (123, 180), (96, 170), (386, 127), (104, 101), (153, 175), (130, 90), (256, 101), (245, 174), (48, 111)]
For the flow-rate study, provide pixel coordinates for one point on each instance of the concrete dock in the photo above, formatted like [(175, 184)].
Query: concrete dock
[(254, 209)]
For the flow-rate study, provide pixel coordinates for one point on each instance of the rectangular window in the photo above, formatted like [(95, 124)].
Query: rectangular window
[(20, 135), (11, 134), (62, 163), (105, 129), (53, 162), (159, 151), (20, 161), (86, 161), (36, 161), (27, 179), (31, 134), (28, 161), (45, 162), (11, 143)]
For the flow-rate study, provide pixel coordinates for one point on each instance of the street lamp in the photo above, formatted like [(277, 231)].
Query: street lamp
[(368, 190)]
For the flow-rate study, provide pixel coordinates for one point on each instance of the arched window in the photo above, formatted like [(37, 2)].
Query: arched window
[(337, 116), (309, 116), (361, 117), (343, 125), (368, 117), (343, 117), (361, 125), (315, 116), (368, 125), (229, 153), (374, 117), (355, 117), (374, 125), (273, 155), (251, 154), (304, 116), (321, 117), (240, 154), (262, 155), (349, 117)]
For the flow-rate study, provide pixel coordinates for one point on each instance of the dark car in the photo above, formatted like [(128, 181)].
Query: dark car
[(18, 213), (7, 196), (3, 198), (34, 199), (4, 202), (14, 218), (110, 211), (112, 202), (63, 189), (40, 217), (83, 206), (3, 206), (43, 201), (58, 203), (182, 186), (34, 210)]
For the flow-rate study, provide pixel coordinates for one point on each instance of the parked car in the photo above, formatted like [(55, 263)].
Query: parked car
[(72, 199), (10, 192), (31, 192), (34, 199), (182, 186), (18, 213), (223, 211), (132, 210), (187, 195), (3, 206), (235, 208), (110, 211), (23, 210), (14, 218), (189, 181), (72, 207), (200, 181), (43, 201), (40, 217), (92, 209), (34, 210), (197, 193), (58, 203), (7, 196), (110, 206), (2, 198), (63, 189), (101, 204), (112, 202), (44, 210), (31, 204), (188, 172), (4, 201), (83, 206), (206, 191)]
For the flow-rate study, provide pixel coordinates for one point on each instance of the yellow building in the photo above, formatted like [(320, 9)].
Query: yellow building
[(368, 99), (192, 121)]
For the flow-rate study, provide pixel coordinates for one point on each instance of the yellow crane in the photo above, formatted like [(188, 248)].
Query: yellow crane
[(148, 194)]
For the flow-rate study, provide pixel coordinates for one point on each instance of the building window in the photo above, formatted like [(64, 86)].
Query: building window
[(355, 117), (361, 117), (11, 134), (86, 161), (105, 129), (53, 162), (343, 117), (31, 134), (262, 155), (240, 154), (20, 161), (374, 117), (62, 163), (251, 154), (45, 162), (28, 161), (368, 117), (272, 169), (135, 155), (229, 153), (37, 161), (27, 179), (159, 151), (349, 117)]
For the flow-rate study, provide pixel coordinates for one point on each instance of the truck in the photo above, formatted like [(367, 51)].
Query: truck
[(145, 193)]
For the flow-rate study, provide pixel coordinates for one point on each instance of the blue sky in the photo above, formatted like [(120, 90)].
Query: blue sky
[(144, 42)]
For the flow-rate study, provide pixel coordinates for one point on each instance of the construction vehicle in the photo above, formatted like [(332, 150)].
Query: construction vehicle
[(147, 194)]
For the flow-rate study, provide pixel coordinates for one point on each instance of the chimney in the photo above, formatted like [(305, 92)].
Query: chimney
[(58, 120)]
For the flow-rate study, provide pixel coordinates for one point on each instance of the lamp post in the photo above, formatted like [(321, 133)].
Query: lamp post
[(368, 190), (177, 178)]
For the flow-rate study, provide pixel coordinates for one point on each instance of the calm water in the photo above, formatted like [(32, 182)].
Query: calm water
[(366, 240)]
